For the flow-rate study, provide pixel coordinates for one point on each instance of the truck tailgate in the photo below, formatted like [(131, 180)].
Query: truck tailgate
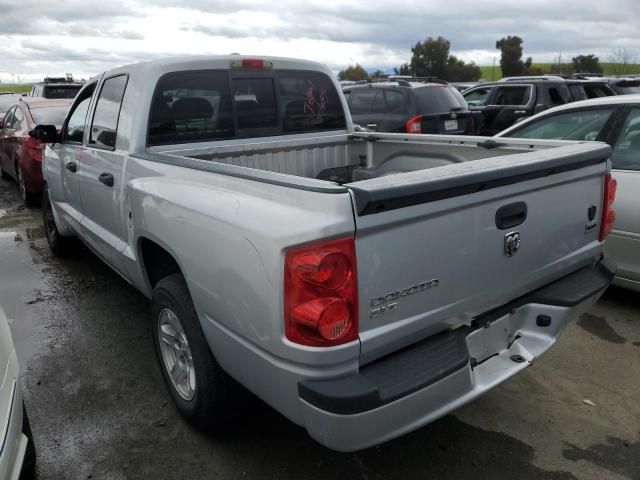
[(438, 247)]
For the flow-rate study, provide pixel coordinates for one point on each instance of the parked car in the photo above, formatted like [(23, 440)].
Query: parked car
[(513, 99), (406, 106), (17, 449), (20, 154), (55, 88), (623, 85), (318, 266), (615, 120)]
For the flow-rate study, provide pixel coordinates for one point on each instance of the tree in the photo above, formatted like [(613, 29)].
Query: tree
[(459, 71), (511, 56), (586, 64), (353, 72), (429, 58), (621, 60), (403, 70), (377, 74)]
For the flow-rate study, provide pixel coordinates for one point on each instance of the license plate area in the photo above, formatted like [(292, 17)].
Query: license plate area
[(490, 340), (451, 124)]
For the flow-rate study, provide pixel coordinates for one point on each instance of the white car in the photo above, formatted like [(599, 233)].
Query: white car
[(616, 121), (17, 451)]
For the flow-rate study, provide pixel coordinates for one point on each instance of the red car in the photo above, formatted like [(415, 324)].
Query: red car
[(21, 155)]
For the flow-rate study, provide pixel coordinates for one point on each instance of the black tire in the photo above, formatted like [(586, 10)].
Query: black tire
[(208, 408), (59, 245), (29, 462), (29, 199)]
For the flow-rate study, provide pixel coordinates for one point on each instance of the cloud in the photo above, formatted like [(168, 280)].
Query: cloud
[(87, 36)]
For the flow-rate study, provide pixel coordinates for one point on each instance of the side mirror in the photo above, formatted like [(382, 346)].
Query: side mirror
[(45, 133)]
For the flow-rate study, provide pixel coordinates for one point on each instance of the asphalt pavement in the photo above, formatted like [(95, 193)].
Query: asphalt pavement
[(99, 409)]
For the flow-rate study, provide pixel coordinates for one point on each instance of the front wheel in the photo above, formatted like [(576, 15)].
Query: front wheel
[(198, 385), (59, 245)]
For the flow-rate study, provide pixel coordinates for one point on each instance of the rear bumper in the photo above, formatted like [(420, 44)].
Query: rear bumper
[(415, 386)]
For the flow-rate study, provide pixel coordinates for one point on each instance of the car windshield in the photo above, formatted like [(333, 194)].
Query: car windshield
[(438, 99), (578, 125), (49, 115), (626, 87), (68, 91)]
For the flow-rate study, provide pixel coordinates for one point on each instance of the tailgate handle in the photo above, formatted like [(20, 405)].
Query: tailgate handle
[(511, 215)]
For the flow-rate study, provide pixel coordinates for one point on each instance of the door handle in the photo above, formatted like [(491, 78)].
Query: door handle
[(72, 167), (372, 126), (107, 179), (511, 215)]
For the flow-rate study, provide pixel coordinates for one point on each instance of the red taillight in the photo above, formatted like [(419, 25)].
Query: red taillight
[(414, 124), (251, 63), (608, 213), (321, 293)]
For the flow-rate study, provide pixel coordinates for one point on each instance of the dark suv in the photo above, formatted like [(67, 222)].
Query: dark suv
[(409, 106), (513, 99)]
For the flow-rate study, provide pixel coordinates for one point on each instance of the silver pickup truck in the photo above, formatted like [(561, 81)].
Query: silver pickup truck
[(361, 284)]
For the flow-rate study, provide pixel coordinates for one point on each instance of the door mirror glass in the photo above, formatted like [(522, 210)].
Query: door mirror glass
[(45, 133)]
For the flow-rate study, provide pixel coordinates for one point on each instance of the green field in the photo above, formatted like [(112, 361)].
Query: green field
[(546, 67), (22, 88)]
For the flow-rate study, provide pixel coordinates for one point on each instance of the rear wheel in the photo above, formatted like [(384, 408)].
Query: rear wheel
[(198, 385), (29, 199), (59, 245)]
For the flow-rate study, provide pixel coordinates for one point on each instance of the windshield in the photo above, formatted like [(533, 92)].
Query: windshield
[(68, 91), (438, 99), (49, 115), (578, 125), (626, 87)]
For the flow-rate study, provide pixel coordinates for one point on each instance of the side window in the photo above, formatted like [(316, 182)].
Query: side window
[(8, 118), (18, 117), (626, 152), (556, 97), (395, 101), (73, 131), (107, 112), (577, 125), (512, 95), (478, 96), (362, 100), (255, 101), (309, 102)]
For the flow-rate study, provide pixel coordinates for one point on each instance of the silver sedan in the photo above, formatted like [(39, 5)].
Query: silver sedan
[(17, 452), (615, 120)]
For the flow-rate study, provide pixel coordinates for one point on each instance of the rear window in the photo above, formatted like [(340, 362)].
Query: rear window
[(61, 92), (438, 99), (49, 115), (208, 105)]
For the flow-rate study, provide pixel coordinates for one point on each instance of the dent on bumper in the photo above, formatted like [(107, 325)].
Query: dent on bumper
[(502, 347)]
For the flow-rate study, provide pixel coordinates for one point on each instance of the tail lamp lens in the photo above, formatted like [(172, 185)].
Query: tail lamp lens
[(608, 213), (414, 124), (320, 293)]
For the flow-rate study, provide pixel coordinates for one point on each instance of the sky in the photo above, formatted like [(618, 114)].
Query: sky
[(86, 37)]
